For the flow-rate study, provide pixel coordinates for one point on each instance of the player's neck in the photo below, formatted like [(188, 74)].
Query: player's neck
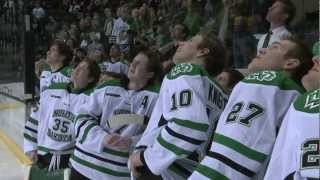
[(55, 67), (136, 85), (198, 61)]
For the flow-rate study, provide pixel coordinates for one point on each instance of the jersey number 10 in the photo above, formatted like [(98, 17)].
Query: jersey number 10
[(184, 99)]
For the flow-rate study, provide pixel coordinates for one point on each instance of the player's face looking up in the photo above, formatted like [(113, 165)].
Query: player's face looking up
[(273, 58), (138, 69), (311, 80), (54, 56), (81, 76), (188, 50)]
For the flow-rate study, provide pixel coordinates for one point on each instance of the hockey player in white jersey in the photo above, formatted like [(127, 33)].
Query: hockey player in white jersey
[(114, 64), (296, 154), (189, 104), (247, 128), (50, 134), (102, 151), (58, 57)]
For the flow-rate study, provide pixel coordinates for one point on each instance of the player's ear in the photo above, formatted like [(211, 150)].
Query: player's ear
[(291, 64), (203, 51)]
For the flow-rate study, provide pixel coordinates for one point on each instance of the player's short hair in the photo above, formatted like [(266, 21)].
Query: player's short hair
[(234, 77), (64, 50), (216, 59), (94, 70), (153, 65), (301, 52)]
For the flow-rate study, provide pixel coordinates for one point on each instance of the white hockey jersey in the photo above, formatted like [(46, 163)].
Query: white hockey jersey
[(119, 67), (90, 157), (296, 154), (31, 130), (189, 105), (61, 75), (51, 128), (247, 128)]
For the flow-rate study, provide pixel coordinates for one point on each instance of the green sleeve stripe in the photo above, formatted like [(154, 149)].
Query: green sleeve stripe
[(99, 168), (192, 125), (115, 152), (86, 131), (174, 168), (210, 173), (240, 148), (173, 148), (27, 136), (33, 121)]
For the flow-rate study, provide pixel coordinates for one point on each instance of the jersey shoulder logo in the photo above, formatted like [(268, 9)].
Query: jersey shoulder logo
[(262, 76), (309, 102), (313, 100), (185, 69), (182, 68)]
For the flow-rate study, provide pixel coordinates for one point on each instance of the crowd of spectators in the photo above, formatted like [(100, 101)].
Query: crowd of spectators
[(95, 25)]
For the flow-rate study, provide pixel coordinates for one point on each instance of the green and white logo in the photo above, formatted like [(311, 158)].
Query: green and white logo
[(262, 76)]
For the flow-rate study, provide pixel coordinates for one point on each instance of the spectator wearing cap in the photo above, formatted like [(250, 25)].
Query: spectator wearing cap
[(279, 15)]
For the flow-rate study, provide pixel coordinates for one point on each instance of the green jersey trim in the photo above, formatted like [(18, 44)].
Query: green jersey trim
[(171, 147), (273, 78), (240, 148), (86, 131), (192, 125), (88, 91), (110, 83), (177, 171), (66, 70), (27, 136), (309, 102), (186, 69), (153, 88), (59, 86), (116, 153), (210, 173), (33, 121), (99, 168)]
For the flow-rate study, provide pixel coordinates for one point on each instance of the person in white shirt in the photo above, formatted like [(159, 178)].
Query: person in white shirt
[(120, 27), (38, 12), (280, 13)]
